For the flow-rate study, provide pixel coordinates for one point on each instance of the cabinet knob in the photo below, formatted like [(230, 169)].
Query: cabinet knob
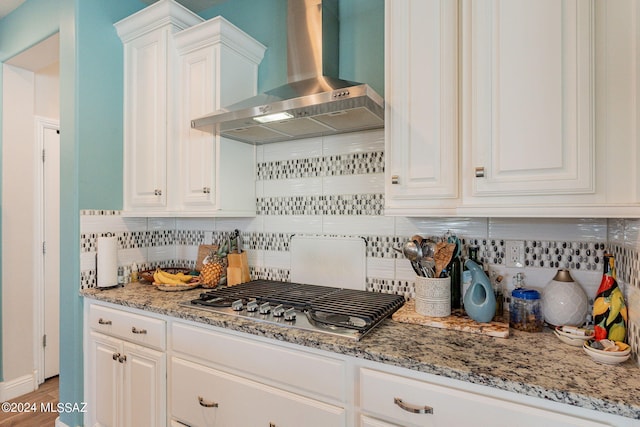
[(206, 190), (115, 356), (157, 192), (122, 358), (414, 409), (101, 321), (480, 172), (138, 331), (395, 179), (206, 404)]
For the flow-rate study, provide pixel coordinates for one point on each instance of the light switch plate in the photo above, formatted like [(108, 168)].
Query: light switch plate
[(514, 253)]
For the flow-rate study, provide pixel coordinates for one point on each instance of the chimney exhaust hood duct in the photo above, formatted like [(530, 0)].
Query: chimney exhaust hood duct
[(314, 102)]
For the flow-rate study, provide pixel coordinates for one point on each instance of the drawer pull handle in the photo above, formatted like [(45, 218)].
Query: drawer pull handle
[(138, 331), (206, 404), (101, 321), (414, 409)]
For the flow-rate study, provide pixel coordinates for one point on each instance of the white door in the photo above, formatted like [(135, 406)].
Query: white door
[(51, 251)]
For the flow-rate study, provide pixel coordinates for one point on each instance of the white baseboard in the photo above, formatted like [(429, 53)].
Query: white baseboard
[(17, 387)]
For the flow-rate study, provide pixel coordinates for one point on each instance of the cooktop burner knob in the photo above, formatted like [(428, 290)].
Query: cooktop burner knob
[(290, 314), (237, 305), (264, 308), (278, 310), (252, 306)]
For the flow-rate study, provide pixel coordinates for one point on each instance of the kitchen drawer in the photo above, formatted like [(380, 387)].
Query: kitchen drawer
[(131, 327), (318, 375), (202, 396), (384, 395)]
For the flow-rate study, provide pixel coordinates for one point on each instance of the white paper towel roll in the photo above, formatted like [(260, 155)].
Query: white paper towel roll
[(107, 262)]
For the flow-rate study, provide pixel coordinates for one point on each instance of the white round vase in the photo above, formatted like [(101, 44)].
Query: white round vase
[(564, 302)]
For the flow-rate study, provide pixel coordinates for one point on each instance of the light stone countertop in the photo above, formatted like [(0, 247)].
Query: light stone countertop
[(532, 364)]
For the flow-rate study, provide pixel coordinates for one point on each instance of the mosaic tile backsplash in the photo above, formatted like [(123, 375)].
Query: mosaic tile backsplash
[(335, 186)]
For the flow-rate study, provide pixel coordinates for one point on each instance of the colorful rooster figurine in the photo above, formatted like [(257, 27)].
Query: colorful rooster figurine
[(609, 309)]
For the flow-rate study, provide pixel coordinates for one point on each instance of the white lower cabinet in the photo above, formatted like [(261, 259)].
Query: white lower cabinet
[(127, 383), (410, 402), (154, 370), (202, 396), (126, 372), (220, 379)]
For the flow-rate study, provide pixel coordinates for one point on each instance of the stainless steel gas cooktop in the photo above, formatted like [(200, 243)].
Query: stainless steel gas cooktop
[(342, 312)]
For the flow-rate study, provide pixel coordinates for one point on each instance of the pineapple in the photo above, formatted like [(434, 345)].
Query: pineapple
[(213, 266)]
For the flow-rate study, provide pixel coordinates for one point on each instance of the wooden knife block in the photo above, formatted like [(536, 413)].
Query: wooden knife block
[(238, 270)]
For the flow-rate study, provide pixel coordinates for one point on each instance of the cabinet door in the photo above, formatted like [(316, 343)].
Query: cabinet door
[(145, 121), (421, 125), (144, 391), (528, 97), (106, 375), (201, 396), (198, 76)]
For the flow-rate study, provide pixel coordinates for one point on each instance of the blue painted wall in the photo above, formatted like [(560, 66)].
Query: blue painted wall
[(91, 139)]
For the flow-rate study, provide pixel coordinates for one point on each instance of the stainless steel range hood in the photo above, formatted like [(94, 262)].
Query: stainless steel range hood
[(314, 102)]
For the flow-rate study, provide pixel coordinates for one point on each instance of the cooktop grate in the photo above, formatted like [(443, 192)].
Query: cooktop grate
[(344, 308)]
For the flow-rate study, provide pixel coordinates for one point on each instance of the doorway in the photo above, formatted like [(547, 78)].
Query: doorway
[(30, 218)]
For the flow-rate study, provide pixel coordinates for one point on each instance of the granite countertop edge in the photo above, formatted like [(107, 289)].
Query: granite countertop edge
[(373, 347)]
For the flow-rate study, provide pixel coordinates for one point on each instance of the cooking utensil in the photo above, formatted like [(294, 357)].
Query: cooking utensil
[(443, 256), (417, 268), (456, 253), (428, 249), (413, 252)]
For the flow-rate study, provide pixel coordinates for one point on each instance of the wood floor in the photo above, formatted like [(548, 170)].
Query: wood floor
[(45, 397)]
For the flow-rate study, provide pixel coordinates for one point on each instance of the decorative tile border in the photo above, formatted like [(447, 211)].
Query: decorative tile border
[(342, 204), (334, 165), (546, 254)]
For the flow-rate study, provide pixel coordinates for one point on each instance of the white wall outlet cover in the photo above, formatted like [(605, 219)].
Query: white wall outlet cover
[(514, 253)]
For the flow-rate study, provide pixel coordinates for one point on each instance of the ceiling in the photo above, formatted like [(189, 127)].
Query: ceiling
[(7, 6)]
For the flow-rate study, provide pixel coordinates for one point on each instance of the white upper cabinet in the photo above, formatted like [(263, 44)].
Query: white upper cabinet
[(542, 108), (218, 67), (177, 67), (528, 96), (149, 64), (421, 127)]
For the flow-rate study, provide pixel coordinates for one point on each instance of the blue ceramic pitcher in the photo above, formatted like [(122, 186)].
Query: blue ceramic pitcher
[(479, 300)]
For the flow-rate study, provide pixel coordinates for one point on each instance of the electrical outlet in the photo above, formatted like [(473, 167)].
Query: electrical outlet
[(515, 253)]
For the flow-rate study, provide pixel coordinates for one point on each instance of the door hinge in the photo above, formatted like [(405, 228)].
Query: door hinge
[(44, 340), (44, 248), (43, 155)]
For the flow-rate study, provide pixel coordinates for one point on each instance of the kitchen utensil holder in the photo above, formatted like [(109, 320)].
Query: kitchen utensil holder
[(433, 296)]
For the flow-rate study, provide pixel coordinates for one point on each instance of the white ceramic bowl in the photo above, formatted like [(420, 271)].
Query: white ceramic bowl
[(571, 339), (607, 357)]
